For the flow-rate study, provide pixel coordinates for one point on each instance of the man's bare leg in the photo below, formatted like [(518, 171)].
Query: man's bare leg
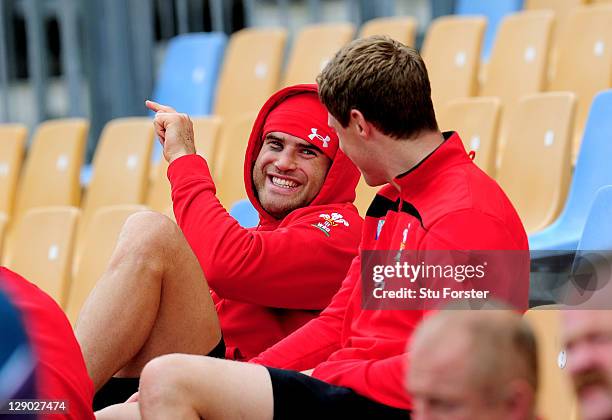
[(152, 300), (193, 387)]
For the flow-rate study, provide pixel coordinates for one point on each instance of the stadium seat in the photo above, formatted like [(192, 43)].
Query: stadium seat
[(41, 246), (402, 29), (251, 70), (3, 222), (205, 131), (50, 175), (120, 167), (229, 158), (364, 194), (98, 244), (517, 65), (585, 60), (562, 10), (556, 398), (12, 149), (245, 214), (592, 172), (597, 233), (313, 47), (536, 166), (494, 11), (476, 121), (188, 75), (451, 51)]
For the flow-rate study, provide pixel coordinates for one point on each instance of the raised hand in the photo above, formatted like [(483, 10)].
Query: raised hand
[(175, 131)]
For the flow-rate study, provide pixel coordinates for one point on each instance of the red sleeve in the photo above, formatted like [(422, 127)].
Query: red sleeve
[(61, 372), (319, 338), (296, 266)]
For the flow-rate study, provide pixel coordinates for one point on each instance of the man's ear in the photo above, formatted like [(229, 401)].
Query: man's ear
[(361, 125)]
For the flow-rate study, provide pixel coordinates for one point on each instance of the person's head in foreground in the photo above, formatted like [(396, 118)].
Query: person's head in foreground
[(291, 153), (378, 96), (471, 365), (587, 336)]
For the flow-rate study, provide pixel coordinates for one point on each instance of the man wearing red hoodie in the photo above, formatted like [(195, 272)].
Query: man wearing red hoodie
[(378, 96), (266, 282)]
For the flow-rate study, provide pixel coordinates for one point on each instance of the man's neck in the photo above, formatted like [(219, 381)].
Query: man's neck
[(402, 155)]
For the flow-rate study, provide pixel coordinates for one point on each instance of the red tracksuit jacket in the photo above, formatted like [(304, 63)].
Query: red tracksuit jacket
[(270, 280), (454, 206), (60, 372)]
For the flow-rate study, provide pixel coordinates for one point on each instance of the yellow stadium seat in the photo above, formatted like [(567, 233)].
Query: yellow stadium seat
[(535, 168), (556, 398), (517, 65), (562, 10), (3, 222), (12, 148), (205, 131), (402, 29), (364, 196), (229, 159), (98, 244), (120, 167), (451, 51), (584, 63), (251, 70), (41, 246), (476, 120), (313, 47), (51, 172)]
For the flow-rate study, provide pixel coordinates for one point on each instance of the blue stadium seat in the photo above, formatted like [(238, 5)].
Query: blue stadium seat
[(244, 212), (597, 233), (593, 171), (494, 11), (188, 76)]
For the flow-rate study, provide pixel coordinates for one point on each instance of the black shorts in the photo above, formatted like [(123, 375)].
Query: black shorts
[(299, 396), (117, 390)]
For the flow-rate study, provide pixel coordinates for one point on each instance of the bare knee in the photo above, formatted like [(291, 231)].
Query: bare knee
[(165, 381), (146, 240)]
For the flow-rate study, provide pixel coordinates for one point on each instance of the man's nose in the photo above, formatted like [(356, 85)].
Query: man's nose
[(580, 359), (285, 161)]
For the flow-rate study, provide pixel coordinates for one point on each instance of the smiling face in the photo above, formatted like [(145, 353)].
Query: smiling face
[(588, 338), (288, 173)]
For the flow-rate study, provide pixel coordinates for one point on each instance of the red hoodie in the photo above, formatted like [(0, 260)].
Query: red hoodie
[(451, 205), (270, 280), (60, 372)]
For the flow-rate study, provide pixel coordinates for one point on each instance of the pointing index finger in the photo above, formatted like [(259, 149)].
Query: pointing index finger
[(155, 107)]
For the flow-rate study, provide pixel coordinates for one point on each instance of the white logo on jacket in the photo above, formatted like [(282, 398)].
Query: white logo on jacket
[(314, 135), (334, 219)]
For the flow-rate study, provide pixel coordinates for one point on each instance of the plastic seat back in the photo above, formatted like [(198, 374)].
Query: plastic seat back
[(451, 51), (98, 245), (584, 63), (402, 29), (120, 167), (51, 173), (518, 62), (556, 398), (476, 121), (41, 249), (205, 130), (12, 149), (189, 73), (494, 11), (251, 70), (313, 47), (536, 166), (229, 159), (245, 214)]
